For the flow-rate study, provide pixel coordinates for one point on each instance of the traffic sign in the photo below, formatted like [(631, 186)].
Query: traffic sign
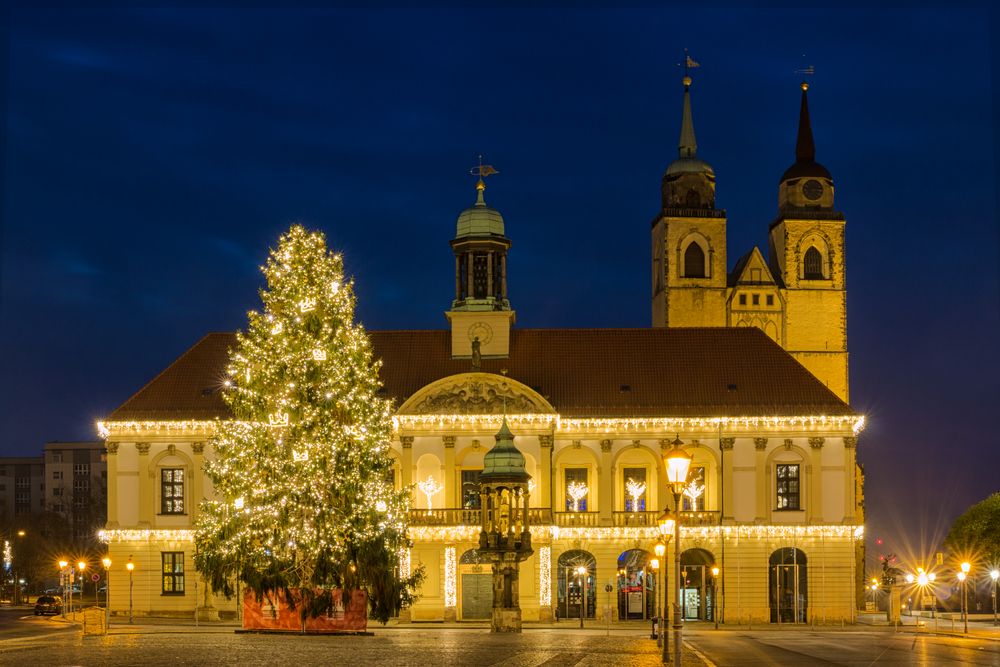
[(95, 577)]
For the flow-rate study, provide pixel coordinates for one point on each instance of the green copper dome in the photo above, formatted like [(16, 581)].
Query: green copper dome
[(479, 220), (504, 462)]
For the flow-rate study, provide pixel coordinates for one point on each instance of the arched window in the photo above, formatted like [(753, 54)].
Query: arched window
[(694, 261), (813, 264)]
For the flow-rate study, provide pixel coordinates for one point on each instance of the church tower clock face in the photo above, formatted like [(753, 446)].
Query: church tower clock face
[(482, 331), (812, 189)]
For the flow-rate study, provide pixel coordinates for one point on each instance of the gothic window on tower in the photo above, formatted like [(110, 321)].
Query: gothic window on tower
[(694, 261), (813, 264)]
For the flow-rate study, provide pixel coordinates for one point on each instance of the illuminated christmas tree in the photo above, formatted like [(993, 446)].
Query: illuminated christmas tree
[(302, 473)]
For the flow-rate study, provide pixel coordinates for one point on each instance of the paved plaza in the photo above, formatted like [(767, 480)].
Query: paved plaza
[(168, 643)]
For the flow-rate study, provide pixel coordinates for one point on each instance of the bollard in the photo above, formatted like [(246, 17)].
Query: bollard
[(654, 632)]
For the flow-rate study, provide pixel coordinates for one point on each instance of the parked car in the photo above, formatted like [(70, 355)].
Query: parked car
[(54, 591), (48, 604)]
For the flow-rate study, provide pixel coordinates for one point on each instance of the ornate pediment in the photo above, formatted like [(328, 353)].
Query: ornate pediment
[(476, 393)]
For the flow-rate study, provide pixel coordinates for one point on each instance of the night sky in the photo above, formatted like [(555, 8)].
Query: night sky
[(152, 157)]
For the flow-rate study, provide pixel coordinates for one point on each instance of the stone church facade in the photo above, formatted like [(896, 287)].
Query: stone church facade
[(748, 369)]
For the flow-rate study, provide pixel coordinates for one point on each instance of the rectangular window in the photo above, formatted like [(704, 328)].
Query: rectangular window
[(81, 468), (79, 502), (57, 474), (788, 486), (57, 491), (57, 457), (743, 299), (172, 491), (756, 299), (81, 485), (694, 493), (22, 498), (470, 489), (22, 483), (576, 489), (173, 572), (634, 480), (770, 299)]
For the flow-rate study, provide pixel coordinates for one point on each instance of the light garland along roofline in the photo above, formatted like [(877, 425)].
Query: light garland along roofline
[(471, 533), (530, 422), (606, 425)]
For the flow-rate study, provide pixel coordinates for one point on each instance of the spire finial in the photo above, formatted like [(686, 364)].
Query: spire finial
[(482, 171), (687, 146)]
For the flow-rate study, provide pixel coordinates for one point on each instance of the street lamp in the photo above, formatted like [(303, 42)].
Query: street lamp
[(107, 591), (677, 463), (62, 578), (962, 576), (715, 598), (654, 565), (665, 524), (995, 575), (581, 572), (660, 550), (82, 566), (130, 566), (874, 594)]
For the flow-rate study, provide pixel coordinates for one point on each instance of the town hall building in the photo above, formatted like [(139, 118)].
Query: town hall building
[(745, 368)]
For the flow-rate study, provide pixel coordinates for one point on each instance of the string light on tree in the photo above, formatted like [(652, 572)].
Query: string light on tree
[(694, 491), (635, 490), (306, 454)]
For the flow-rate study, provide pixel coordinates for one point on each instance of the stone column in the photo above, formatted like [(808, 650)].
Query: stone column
[(112, 448), (145, 486), (470, 294), (763, 491), (850, 453), (726, 449), (206, 610), (452, 492), (198, 480), (503, 276), (489, 274), (406, 459), (816, 502), (606, 480), (545, 484)]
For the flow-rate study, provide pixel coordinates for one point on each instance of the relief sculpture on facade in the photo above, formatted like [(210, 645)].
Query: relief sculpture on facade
[(478, 396)]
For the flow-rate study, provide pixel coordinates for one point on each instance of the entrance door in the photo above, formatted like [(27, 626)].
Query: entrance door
[(477, 596), (786, 594)]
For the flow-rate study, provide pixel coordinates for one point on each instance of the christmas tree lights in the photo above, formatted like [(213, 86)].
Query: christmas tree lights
[(301, 473)]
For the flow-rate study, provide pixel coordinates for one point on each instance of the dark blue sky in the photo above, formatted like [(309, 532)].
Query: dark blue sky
[(153, 156)]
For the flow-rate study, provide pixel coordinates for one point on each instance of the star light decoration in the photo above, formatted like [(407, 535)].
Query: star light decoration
[(576, 491), (635, 490), (430, 488)]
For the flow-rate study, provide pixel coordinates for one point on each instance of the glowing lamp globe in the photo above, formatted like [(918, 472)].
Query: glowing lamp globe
[(994, 574), (962, 576), (966, 566), (63, 564), (931, 577), (661, 549), (666, 524), (909, 578), (715, 570), (677, 463), (130, 566), (655, 563)]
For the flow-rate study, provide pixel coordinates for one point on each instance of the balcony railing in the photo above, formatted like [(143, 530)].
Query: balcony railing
[(460, 516), (571, 519), (636, 518), (700, 518)]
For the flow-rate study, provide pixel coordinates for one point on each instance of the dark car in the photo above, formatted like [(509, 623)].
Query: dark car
[(48, 604)]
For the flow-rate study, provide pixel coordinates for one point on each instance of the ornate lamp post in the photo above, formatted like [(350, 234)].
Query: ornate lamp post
[(130, 566), (666, 525), (962, 576), (715, 595), (505, 539), (62, 579), (677, 463), (581, 574), (81, 565), (660, 550), (995, 575), (107, 591)]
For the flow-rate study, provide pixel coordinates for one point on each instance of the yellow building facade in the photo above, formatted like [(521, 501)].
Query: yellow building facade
[(749, 386)]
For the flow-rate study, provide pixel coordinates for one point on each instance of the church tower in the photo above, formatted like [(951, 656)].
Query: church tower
[(689, 239), (480, 313), (806, 243)]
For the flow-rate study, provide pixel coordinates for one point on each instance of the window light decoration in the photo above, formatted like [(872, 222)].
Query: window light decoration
[(545, 576), (430, 488), (576, 491), (635, 490), (450, 589), (694, 491)]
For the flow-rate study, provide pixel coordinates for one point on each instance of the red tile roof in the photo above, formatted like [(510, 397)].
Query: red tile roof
[(710, 372)]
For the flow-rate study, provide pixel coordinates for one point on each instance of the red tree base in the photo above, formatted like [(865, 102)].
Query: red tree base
[(272, 614)]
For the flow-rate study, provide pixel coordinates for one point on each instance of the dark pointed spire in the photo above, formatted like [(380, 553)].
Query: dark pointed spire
[(687, 146), (805, 149)]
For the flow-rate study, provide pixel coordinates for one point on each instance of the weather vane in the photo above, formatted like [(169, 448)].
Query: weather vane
[(689, 63), (806, 71), (483, 170)]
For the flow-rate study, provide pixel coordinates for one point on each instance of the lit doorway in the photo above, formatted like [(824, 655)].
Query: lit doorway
[(787, 584), (697, 591), (577, 594), (636, 586)]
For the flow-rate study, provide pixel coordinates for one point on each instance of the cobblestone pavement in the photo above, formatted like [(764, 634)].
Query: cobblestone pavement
[(188, 646)]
